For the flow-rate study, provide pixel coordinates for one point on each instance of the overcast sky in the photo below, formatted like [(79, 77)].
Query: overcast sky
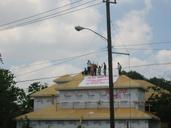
[(29, 51)]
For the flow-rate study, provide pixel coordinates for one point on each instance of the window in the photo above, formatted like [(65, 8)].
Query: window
[(67, 94), (76, 104), (64, 103), (103, 94), (91, 94), (39, 101), (49, 100)]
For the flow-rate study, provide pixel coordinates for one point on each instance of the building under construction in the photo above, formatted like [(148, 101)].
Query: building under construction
[(79, 101)]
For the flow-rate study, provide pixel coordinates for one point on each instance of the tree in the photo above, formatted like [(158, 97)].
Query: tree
[(161, 82), (36, 86), (133, 75), (9, 98), (160, 100), (161, 104), (27, 102)]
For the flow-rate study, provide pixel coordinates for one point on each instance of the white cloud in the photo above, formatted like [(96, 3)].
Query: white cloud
[(132, 28), (125, 1), (27, 72), (52, 38), (164, 56)]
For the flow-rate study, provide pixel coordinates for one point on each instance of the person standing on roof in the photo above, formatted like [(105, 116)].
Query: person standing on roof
[(95, 69), (104, 68), (99, 70), (88, 66), (92, 69), (119, 69)]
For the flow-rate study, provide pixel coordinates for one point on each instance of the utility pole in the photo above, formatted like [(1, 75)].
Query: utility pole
[(111, 91)]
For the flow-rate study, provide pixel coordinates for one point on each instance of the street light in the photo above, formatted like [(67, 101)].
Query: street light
[(79, 28)]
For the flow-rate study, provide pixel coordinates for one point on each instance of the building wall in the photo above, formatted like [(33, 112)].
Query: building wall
[(100, 98), (87, 124), (41, 102)]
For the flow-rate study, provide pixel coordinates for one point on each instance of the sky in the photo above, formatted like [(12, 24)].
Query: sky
[(139, 27)]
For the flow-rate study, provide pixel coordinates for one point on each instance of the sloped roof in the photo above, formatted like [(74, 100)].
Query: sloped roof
[(65, 81), (68, 82), (49, 91), (57, 113), (126, 82), (72, 83), (146, 84)]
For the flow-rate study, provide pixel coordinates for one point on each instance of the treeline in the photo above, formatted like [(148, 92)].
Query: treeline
[(159, 104), (14, 101)]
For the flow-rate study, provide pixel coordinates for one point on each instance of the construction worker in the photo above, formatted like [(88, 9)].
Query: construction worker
[(119, 68)]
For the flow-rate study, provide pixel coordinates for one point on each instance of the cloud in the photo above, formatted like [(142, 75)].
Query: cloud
[(132, 28), (126, 1), (164, 56), (47, 39), (48, 69)]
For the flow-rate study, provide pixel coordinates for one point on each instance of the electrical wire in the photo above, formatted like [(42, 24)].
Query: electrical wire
[(155, 49), (61, 13), (153, 64), (64, 61), (142, 44), (61, 59), (146, 65), (38, 14), (45, 78)]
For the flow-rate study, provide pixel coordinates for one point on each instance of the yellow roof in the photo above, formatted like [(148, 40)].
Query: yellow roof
[(57, 113), (126, 82), (72, 82), (69, 82), (146, 84), (50, 91), (65, 81)]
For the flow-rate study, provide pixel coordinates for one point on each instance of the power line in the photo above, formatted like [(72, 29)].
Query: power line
[(142, 44), (147, 65), (67, 60), (143, 49), (133, 66), (37, 19), (60, 13), (61, 59), (43, 78), (38, 14)]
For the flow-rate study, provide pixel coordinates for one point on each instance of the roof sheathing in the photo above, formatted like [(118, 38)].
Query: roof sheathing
[(49, 91), (121, 82), (57, 113)]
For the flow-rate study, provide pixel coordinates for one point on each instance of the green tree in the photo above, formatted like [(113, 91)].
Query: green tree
[(161, 105), (27, 101), (133, 75), (161, 82), (36, 86), (9, 98)]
